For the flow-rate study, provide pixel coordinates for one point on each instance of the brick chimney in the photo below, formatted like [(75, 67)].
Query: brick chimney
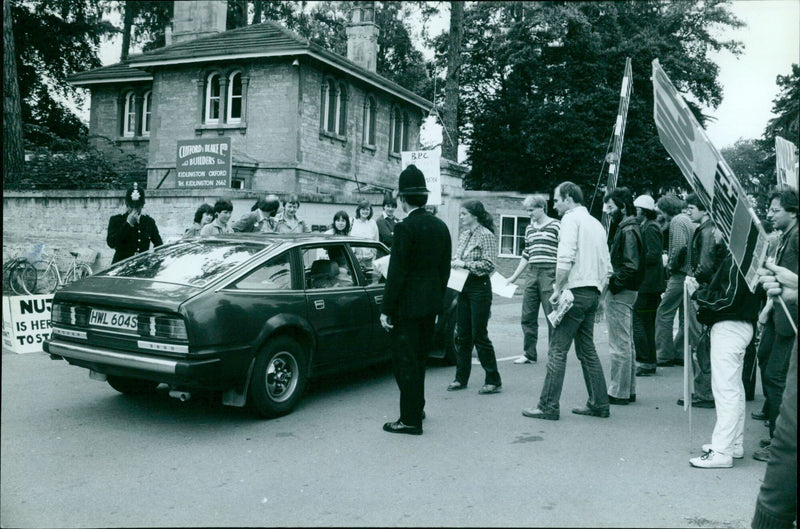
[(362, 36), (193, 19)]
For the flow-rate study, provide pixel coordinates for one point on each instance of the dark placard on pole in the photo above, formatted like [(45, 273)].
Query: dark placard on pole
[(204, 163)]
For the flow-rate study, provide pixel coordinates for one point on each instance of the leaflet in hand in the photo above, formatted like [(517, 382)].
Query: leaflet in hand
[(458, 276), (501, 287)]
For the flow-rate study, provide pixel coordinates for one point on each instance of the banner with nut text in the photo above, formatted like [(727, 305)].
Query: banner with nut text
[(709, 176)]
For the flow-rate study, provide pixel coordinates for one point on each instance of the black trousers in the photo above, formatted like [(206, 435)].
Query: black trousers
[(644, 327), (412, 339), (774, 353)]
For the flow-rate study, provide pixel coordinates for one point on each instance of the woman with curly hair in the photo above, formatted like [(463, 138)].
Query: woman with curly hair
[(477, 254)]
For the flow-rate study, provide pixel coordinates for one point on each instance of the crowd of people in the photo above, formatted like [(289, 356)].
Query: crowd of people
[(638, 269)]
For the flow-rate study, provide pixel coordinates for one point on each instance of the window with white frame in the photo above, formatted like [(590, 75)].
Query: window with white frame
[(328, 106), (147, 106), (235, 98), (396, 141), (512, 235), (129, 116), (212, 103), (370, 107)]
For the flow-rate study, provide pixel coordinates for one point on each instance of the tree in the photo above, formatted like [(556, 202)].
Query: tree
[(53, 39), (787, 107), (751, 165), (540, 87), (13, 151), (450, 148)]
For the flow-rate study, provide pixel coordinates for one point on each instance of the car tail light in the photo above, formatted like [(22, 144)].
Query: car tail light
[(168, 327), (62, 313)]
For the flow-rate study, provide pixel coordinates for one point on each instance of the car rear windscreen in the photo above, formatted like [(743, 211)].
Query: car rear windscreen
[(195, 263)]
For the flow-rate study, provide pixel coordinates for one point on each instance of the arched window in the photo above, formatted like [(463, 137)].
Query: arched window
[(369, 121), (212, 99), (397, 131), (329, 106), (147, 110), (341, 110), (235, 98), (129, 116), (406, 121)]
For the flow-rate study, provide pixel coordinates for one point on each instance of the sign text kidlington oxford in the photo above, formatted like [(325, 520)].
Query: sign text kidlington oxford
[(204, 163)]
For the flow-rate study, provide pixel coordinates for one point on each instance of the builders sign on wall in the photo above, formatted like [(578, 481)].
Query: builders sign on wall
[(204, 163)]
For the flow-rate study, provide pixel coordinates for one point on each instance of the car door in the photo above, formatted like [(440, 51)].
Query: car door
[(373, 262), (338, 306)]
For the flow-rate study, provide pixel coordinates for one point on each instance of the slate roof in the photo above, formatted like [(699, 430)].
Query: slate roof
[(267, 39), (119, 72)]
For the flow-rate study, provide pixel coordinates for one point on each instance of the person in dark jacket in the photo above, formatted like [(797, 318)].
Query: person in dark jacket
[(627, 254), (730, 309), (416, 281), (387, 220), (701, 268), (261, 217), (649, 294), (778, 334), (132, 232)]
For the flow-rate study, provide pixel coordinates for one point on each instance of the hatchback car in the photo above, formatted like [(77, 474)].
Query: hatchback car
[(252, 316)]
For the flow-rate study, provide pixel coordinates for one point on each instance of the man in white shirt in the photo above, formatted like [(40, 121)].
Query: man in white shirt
[(582, 271)]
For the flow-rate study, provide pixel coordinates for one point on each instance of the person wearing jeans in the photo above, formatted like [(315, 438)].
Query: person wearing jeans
[(627, 254), (476, 253), (730, 309), (582, 272), (539, 257)]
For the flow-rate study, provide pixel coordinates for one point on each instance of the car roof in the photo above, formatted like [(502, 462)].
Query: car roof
[(287, 237)]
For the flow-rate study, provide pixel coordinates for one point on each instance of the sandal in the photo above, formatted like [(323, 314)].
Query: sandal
[(456, 385)]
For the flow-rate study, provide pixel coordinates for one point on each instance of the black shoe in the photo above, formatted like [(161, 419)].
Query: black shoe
[(762, 454), (645, 371), (399, 427), (619, 402), (536, 413), (759, 416), (697, 403), (590, 412)]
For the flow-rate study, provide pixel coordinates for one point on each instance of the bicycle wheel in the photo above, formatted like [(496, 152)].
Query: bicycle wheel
[(80, 271), (23, 279), (47, 277)]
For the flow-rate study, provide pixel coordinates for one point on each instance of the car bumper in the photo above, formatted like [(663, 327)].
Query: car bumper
[(190, 372)]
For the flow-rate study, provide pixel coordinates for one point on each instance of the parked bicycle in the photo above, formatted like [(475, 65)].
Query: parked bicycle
[(19, 277), (49, 277)]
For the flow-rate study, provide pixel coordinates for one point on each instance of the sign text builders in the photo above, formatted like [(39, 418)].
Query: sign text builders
[(204, 163), (709, 175), (428, 163)]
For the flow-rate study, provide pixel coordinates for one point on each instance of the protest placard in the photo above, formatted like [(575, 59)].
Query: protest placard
[(428, 163), (27, 321), (786, 163), (709, 176), (615, 155), (204, 163)]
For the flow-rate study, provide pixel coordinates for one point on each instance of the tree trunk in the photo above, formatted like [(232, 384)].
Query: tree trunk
[(126, 30), (451, 87), (258, 8), (13, 149)]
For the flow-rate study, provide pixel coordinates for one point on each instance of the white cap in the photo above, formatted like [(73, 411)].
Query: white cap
[(645, 202)]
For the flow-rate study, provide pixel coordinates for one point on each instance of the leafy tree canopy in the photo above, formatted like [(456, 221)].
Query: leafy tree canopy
[(541, 83)]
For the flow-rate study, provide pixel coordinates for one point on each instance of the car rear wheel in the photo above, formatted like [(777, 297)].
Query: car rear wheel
[(279, 377), (131, 386)]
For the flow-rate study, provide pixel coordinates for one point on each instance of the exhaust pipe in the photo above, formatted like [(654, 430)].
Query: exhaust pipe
[(182, 396)]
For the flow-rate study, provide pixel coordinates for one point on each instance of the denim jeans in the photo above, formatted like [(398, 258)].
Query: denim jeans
[(474, 310), (729, 339), (644, 328), (702, 365), (619, 315), (668, 347), (578, 324), (775, 362), (537, 292)]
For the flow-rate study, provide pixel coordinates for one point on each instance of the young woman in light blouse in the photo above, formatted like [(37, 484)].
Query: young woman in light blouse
[(477, 254)]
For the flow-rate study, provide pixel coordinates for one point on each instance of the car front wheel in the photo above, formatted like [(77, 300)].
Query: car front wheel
[(279, 377), (131, 386)]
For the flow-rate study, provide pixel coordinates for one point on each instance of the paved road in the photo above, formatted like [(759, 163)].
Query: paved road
[(77, 454)]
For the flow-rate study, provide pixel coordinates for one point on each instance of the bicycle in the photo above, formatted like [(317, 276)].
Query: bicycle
[(49, 276), (19, 276)]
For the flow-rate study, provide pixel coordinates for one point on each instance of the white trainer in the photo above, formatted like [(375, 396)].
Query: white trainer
[(738, 451), (712, 459), (524, 360)]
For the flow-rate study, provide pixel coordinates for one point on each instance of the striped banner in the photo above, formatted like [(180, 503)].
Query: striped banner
[(709, 176), (786, 163), (614, 156)]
